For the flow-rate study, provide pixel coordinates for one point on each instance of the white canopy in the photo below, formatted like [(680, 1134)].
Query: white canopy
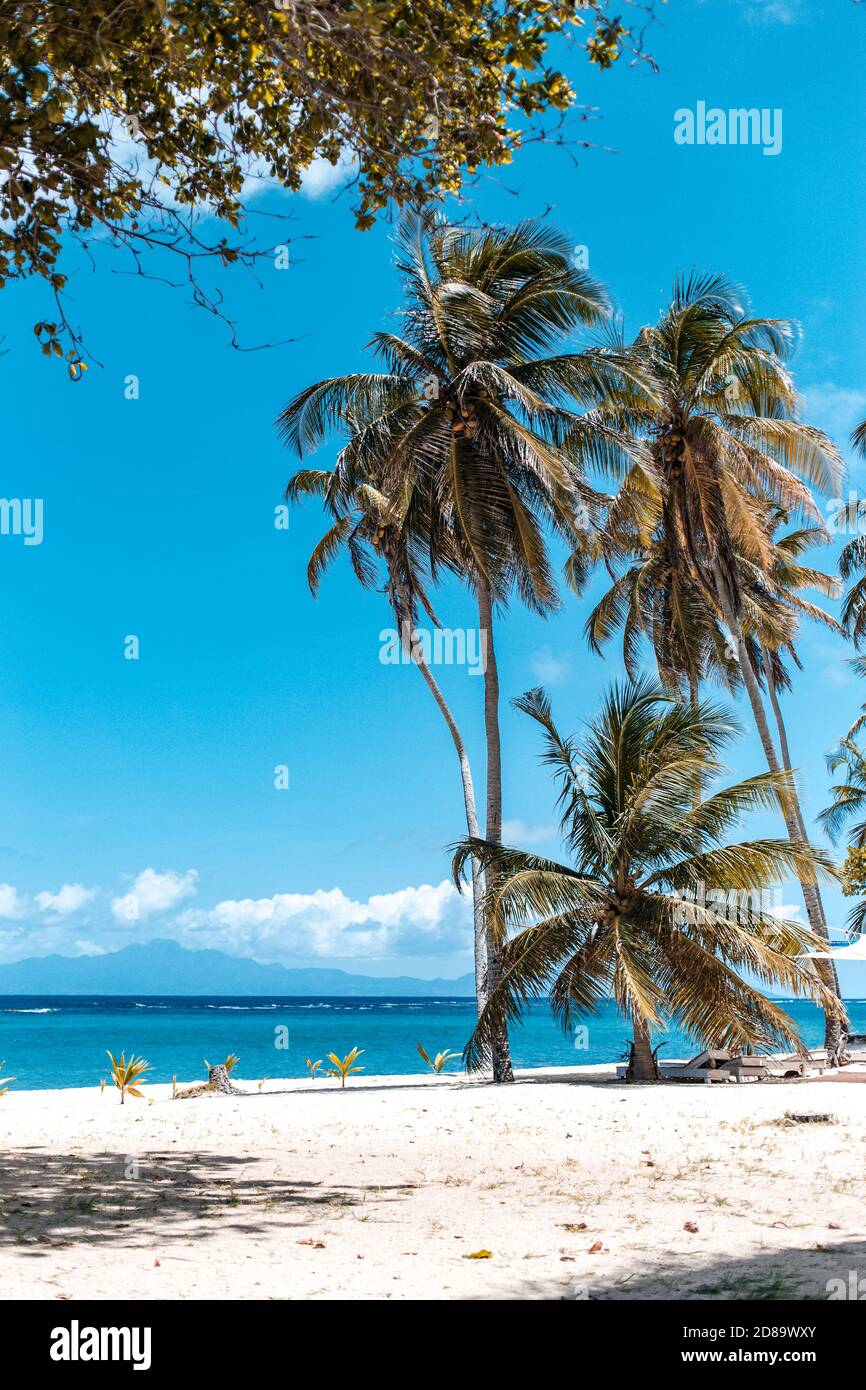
[(856, 951)]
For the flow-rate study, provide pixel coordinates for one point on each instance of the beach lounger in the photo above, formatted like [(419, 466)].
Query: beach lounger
[(705, 1066), (751, 1067)]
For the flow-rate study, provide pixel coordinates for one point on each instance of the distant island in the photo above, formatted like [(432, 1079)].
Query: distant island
[(162, 967)]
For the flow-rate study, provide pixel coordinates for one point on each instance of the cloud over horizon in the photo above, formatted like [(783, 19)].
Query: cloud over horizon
[(154, 892), (327, 923), (423, 919)]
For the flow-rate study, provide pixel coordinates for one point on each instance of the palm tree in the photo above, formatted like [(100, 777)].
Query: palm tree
[(777, 604), (849, 797), (637, 915), (364, 527), (471, 434), (849, 801), (852, 561), (657, 599), (719, 408)]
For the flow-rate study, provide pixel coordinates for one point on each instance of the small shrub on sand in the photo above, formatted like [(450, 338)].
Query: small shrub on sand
[(125, 1074), (346, 1066), (440, 1061)]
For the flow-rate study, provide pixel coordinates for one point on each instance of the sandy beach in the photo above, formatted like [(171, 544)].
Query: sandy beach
[(577, 1186)]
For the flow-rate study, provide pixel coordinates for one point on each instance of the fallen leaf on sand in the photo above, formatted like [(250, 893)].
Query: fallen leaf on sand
[(690, 1226), (596, 1249), (316, 1244), (479, 1255)]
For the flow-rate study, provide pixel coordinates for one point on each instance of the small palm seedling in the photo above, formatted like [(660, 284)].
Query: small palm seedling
[(439, 1062), (262, 1082), (313, 1067), (346, 1067), (102, 1085), (6, 1081), (125, 1074)]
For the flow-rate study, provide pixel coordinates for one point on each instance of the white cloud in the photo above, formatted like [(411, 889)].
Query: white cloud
[(773, 11), (11, 905), (67, 899), (154, 892), (517, 833), (419, 920), (411, 921), (785, 11), (319, 178), (322, 177), (547, 667), (835, 409)]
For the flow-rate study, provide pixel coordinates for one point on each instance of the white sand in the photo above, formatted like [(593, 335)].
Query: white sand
[(384, 1189)]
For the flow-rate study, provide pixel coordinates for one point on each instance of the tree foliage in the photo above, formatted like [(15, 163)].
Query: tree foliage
[(124, 117), (642, 912)]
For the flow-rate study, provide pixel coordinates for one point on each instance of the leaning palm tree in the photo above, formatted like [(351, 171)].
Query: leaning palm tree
[(774, 606), (471, 431), (640, 915), (851, 517), (852, 563), (364, 528), (849, 796), (655, 598), (849, 804), (719, 407)]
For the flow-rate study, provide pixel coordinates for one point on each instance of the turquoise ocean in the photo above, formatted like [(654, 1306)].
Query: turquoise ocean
[(50, 1041)]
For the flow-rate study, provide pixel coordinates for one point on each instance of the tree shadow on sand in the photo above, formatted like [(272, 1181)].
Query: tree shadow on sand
[(50, 1200), (794, 1274)]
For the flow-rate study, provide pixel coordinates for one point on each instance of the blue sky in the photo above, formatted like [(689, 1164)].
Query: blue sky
[(155, 778)]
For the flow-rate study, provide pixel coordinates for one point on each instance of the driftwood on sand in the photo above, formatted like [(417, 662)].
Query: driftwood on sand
[(217, 1084)]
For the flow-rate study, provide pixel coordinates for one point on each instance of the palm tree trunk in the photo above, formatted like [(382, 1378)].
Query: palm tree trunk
[(694, 701), (402, 609), (833, 1026), (777, 711), (641, 1062), (479, 928), (834, 1039), (500, 1050)]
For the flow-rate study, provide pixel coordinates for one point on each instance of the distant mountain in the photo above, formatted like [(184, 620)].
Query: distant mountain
[(164, 967)]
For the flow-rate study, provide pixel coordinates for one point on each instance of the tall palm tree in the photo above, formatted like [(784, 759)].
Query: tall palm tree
[(471, 431), (849, 804), (364, 528), (777, 604), (852, 566), (849, 797), (719, 408), (657, 599), (852, 562), (628, 917)]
